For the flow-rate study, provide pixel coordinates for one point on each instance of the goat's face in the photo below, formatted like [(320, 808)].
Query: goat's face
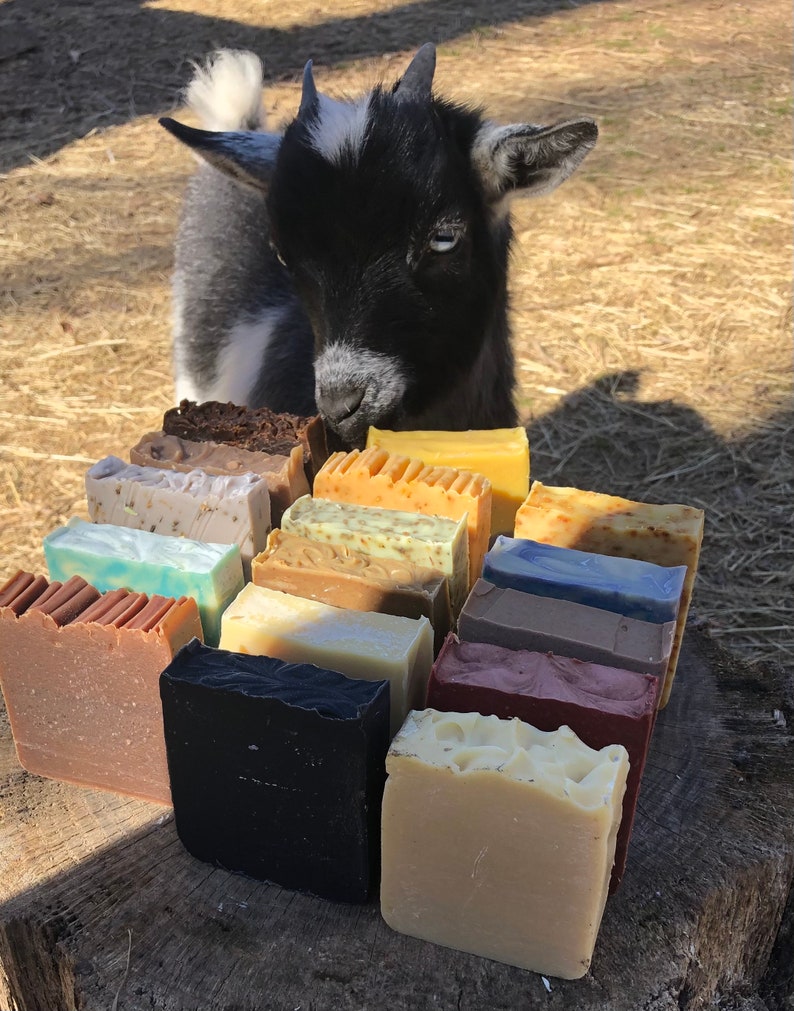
[(389, 215)]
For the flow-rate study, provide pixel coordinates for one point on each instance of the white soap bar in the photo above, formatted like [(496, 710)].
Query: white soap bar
[(498, 838), (361, 644), (220, 509)]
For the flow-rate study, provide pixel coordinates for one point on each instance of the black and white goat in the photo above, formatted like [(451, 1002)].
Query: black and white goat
[(356, 263)]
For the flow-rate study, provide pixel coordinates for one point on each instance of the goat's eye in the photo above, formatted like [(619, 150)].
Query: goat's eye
[(444, 240), (277, 254)]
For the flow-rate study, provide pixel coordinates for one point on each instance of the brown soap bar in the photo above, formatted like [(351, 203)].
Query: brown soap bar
[(80, 674), (259, 430), (518, 620), (285, 475), (335, 574), (602, 705)]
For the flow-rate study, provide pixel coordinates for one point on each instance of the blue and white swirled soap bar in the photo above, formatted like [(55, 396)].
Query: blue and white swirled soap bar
[(110, 557), (626, 586)]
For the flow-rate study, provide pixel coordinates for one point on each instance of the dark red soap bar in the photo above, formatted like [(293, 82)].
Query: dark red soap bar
[(277, 769), (602, 705)]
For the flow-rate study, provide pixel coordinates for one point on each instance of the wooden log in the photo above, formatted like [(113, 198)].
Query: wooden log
[(91, 883)]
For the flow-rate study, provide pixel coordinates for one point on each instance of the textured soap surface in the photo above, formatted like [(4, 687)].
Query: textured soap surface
[(336, 575), (277, 769), (626, 586), (498, 838), (80, 675), (390, 481), (432, 542), (361, 644), (669, 534), (221, 509), (285, 475), (500, 454), (602, 705), (521, 620), (110, 557), (257, 429)]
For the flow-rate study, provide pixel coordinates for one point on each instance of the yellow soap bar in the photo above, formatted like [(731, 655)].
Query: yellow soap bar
[(500, 454), (386, 480), (498, 838), (432, 542), (609, 525), (361, 644)]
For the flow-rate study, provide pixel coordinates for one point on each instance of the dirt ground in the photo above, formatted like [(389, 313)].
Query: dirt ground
[(651, 294)]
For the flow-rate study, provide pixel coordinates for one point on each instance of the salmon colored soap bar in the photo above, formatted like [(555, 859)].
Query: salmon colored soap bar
[(668, 535), (500, 454), (387, 480), (80, 674)]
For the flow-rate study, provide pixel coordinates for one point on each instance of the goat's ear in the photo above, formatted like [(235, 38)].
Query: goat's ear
[(532, 159), (246, 156)]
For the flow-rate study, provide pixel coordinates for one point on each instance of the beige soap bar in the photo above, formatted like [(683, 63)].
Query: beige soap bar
[(389, 481), (498, 838), (429, 541), (500, 454), (609, 525), (361, 644)]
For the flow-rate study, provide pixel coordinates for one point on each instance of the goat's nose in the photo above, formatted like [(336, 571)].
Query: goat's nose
[(337, 406)]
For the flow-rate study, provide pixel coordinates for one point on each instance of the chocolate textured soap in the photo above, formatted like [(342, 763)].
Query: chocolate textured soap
[(277, 769), (498, 838), (257, 429), (520, 620), (666, 534), (625, 585), (80, 675), (285, 475), (602, 705), (345, 578)]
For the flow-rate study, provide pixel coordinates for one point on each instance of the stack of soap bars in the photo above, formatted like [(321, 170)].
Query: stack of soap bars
[(284, 643)]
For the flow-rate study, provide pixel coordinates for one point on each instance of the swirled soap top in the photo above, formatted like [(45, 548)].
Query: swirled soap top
[(197, 483)]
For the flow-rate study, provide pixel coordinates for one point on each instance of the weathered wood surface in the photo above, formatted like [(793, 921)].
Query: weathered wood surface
[(704, 918)]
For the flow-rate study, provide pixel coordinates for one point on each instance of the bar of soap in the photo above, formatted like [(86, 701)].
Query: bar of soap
[(110, 557), (285, 475), (500, 454), (277, 769), (626, 586), (429, 541), (498, 838), (361, 644), (602, 705), (520, 620), (253, 428), (388, 481), (80, 674), (664, 534), (221, 509), (345, 578)]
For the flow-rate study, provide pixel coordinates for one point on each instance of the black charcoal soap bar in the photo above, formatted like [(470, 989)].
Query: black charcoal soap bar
[(277, 769)]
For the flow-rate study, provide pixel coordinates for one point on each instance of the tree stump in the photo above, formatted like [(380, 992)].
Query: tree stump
[(99, 902)]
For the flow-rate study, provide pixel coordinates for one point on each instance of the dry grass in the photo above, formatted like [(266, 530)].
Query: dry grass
[(651, 295)]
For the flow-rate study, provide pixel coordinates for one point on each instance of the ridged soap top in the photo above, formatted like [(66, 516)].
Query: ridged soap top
[(557, 763), (397, 469)]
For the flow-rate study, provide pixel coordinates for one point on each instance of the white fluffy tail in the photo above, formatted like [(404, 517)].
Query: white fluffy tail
[(226, 92)]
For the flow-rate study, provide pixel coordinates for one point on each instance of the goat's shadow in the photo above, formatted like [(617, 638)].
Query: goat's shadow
[(66, 69)]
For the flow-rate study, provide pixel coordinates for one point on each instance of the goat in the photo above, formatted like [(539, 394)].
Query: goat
[(357, 263)]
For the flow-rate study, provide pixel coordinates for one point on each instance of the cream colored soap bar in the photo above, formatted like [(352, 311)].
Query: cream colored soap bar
[(361, 644), (430, 541), (389, 481), (500, 454), (609, 525), (498, 838)]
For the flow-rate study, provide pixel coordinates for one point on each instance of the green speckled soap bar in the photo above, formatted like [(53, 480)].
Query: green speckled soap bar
[(110, 557)]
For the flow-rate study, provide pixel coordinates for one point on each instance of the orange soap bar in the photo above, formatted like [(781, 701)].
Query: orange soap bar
[(80, 674), (386, 480), (609, 525)]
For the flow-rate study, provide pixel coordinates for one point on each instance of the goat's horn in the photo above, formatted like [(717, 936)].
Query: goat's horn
[(417, 80), (309, 97)]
